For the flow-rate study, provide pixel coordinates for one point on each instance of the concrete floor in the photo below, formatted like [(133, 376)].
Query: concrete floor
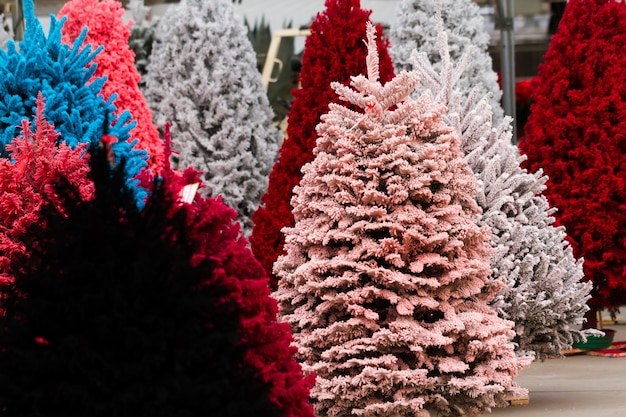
[(576, 386)]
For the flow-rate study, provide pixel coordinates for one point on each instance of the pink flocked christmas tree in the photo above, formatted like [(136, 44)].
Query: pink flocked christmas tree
[(106, 27), (384, 280), (333, 52)]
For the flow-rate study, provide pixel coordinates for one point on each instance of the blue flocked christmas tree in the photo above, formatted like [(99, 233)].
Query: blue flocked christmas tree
[(73, 105)]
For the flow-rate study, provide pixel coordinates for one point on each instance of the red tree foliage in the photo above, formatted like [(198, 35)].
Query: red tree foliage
[(213, 229), (334, 51), (103, 18), (37, 161), (576, 132), (165, 307)]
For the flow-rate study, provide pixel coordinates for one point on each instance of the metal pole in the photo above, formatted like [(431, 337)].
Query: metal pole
[(507, 43)]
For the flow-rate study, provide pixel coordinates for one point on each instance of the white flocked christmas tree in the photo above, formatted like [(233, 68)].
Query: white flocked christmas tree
[(385, 280), (544, 295), (202, 77), (415, 28)]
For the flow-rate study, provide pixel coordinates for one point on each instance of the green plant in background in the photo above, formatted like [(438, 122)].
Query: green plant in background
[(141, 35), (278, 92), (260, 36)]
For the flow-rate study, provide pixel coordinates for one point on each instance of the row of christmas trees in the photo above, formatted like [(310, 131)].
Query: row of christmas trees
[(415, 261)]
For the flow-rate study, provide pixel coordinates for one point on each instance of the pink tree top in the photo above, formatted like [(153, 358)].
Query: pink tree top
[(332, 52), (385, 275), (103, 18)]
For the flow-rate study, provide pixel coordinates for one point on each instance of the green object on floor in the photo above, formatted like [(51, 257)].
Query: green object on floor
[(597, 342)]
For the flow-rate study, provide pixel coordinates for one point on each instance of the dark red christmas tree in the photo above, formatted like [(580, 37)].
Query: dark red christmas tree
[(163, 311), (334, 51), (576, 132)]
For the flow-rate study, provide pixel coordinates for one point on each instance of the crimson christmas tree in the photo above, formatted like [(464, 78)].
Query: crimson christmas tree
[(576, 133), (113, 310), (385, 280), (105, 27), (333, 52)]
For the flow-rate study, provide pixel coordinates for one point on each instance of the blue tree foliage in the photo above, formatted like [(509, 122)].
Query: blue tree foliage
[(74, 105)]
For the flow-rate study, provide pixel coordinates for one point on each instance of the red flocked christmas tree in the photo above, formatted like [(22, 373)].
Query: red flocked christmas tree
[(576, 132), (104, 21), (333, 52), (37, 162), (112, 310)]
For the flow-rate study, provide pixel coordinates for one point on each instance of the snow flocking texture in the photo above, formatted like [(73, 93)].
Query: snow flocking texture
[(415, 29), (385, 277), (544, 294), (202, 77)]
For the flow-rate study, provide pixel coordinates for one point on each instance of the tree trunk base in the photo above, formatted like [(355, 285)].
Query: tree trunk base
[(591, 318)]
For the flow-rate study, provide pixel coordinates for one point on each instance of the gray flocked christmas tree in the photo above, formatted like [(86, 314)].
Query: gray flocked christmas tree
[(415, 28), (202, 78), (544, 294), (385, 280)]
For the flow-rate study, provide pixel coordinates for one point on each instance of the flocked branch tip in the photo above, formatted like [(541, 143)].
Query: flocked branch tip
[(372, 54)]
